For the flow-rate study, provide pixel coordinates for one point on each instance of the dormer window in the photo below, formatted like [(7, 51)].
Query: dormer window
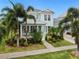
[(49, 17)]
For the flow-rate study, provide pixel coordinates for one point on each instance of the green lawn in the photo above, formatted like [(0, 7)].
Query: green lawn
[(55, 55), (60, 43), (17, 49)]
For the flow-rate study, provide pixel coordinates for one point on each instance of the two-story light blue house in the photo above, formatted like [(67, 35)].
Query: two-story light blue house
[(44, 21)]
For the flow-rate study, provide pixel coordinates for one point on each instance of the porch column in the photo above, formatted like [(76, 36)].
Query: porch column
[(47, 29), (20, 30), (37, 28), (42, 29)]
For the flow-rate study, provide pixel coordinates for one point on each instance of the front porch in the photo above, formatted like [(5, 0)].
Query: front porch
[(31, 28)]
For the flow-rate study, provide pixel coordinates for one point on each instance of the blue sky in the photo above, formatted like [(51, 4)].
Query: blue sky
[(58, 6)]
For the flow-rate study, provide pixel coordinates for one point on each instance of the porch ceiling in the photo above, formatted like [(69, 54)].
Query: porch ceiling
[(37, 23)]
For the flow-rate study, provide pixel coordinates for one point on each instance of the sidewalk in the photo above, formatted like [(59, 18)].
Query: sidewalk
[(34, 52)]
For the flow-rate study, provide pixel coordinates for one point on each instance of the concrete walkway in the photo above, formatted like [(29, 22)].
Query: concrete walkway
[(34, 52), (48, 46)]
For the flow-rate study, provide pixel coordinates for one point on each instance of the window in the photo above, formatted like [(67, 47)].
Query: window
[(45, 17), (49, 17), (24, 30), (39, 28), (35, 28), (27, 28), (38, 16), (32, 28)]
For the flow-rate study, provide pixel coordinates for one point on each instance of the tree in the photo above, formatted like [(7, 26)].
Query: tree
[(29, 17), (11, 17), (2, 33), (30, 8), (71, 21)]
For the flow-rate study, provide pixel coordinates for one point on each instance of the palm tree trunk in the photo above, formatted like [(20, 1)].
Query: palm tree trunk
[(17, 38), (26, 30), (34, 24), (18, 35), (17, 42)]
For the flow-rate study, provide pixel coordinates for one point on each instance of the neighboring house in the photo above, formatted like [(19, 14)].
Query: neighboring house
[(58, 19), (61, 18), (44, 21), (56, 22)]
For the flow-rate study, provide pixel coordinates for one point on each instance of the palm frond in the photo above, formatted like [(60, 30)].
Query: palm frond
[(2, 15), (64, 21), (12, 3), (31, 17), (30, 8), (74, 12), (7, 9)]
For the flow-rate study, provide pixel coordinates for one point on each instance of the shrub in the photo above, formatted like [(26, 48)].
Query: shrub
[(31, 41), (22, 42), (37, 37), (11, 42), (53, 37)]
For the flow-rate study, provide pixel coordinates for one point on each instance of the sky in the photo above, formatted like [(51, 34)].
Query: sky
[(59, 7)]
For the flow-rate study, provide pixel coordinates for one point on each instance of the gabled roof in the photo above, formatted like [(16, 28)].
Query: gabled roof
[(46, 10), (37, 10)]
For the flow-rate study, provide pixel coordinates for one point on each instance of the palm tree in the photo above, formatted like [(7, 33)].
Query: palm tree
[(12, 16), (2, 33), (64, 26), (30, 8), (71, 21), (29, 17)]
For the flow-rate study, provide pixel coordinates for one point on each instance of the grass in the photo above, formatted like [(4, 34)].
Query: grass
[(18, 49), (55, 55), (60, 43)]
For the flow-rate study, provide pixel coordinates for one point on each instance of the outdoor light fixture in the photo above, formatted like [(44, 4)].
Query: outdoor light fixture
[(20, 19)]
